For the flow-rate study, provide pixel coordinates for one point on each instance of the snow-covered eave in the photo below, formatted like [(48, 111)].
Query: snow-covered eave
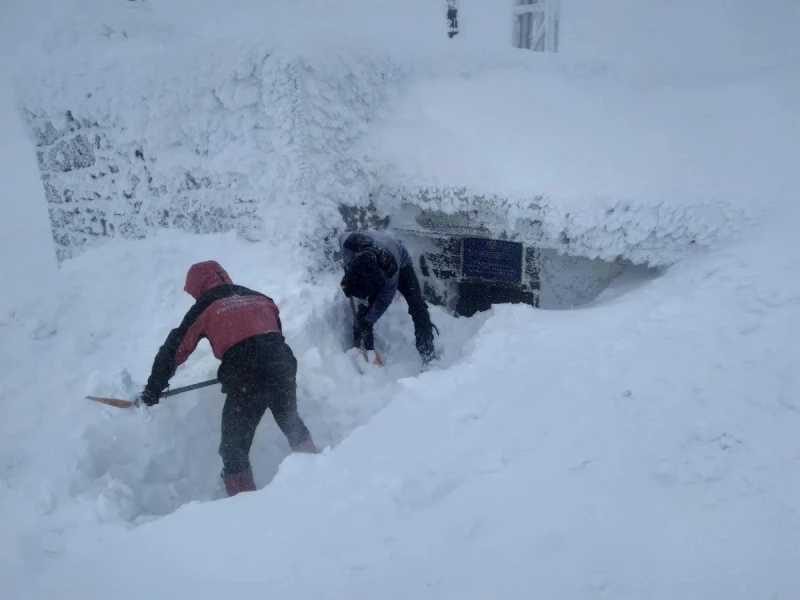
[(657, 233)]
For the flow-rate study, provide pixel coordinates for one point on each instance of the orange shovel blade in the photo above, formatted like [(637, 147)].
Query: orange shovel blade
[(377, 360), (111, 401)]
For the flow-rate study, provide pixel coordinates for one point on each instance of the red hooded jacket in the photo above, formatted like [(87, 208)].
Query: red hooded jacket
[(224, 313)]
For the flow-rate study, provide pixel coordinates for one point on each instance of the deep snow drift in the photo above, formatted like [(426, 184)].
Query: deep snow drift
[(644, 446), (99, 335)]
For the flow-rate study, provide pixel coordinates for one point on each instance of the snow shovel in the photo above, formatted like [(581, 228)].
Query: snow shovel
[(364, 351), (130, 403)]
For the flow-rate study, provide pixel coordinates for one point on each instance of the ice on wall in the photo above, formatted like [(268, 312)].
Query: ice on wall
[(97, 187), (249, 139), (206, 117)]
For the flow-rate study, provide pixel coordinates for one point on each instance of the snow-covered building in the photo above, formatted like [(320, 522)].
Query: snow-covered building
[(512, 187), (536, 24), (502, 170)]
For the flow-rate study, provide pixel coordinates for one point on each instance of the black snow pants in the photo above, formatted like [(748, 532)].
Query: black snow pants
[(256, 374), (408, 286)]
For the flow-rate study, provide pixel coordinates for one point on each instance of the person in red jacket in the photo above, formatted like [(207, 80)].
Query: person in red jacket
[(257, 370)]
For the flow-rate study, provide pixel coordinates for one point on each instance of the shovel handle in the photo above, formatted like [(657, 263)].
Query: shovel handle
[(364, 351), (119, 403), (189, 388)]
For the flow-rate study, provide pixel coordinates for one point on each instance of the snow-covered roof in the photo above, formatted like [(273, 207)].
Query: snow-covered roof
[(618, 166), (514, 131)]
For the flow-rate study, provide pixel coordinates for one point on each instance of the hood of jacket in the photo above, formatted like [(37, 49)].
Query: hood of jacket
[(204, 276)]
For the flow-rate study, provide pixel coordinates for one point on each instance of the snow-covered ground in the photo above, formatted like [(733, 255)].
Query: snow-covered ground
[(643, 446)]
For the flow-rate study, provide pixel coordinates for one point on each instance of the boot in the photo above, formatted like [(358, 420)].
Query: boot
[(307, 447), (239, 482)]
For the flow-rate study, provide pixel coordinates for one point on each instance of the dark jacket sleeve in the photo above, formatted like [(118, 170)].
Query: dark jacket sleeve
[(180, 343), (382, 301)]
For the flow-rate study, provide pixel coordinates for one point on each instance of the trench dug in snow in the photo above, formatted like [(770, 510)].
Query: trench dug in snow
[(146, 464), (152, 461)]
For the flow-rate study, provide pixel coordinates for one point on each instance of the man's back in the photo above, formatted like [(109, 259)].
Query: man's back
[(224, 313), (228, 314)]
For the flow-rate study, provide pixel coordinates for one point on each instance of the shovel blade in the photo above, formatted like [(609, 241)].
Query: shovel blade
[(365, 362), (111, 401), (372, 357)]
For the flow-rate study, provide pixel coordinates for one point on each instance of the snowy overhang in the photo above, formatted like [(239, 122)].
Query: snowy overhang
[(590, 162)]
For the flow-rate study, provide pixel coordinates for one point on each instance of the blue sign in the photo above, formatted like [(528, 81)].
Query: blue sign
[(491, 260)]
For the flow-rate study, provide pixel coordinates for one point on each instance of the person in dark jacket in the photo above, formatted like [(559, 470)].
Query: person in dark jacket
[(376, 267), (257, 370)]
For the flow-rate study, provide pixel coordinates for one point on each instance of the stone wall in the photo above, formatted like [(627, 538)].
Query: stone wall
[(97, 189)]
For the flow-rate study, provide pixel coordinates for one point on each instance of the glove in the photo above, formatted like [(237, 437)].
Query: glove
[(148, 398), (425, 349), (424, 342)]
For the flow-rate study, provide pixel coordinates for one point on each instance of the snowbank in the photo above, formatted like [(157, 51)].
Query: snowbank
[(644, 447), (68, 463)]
